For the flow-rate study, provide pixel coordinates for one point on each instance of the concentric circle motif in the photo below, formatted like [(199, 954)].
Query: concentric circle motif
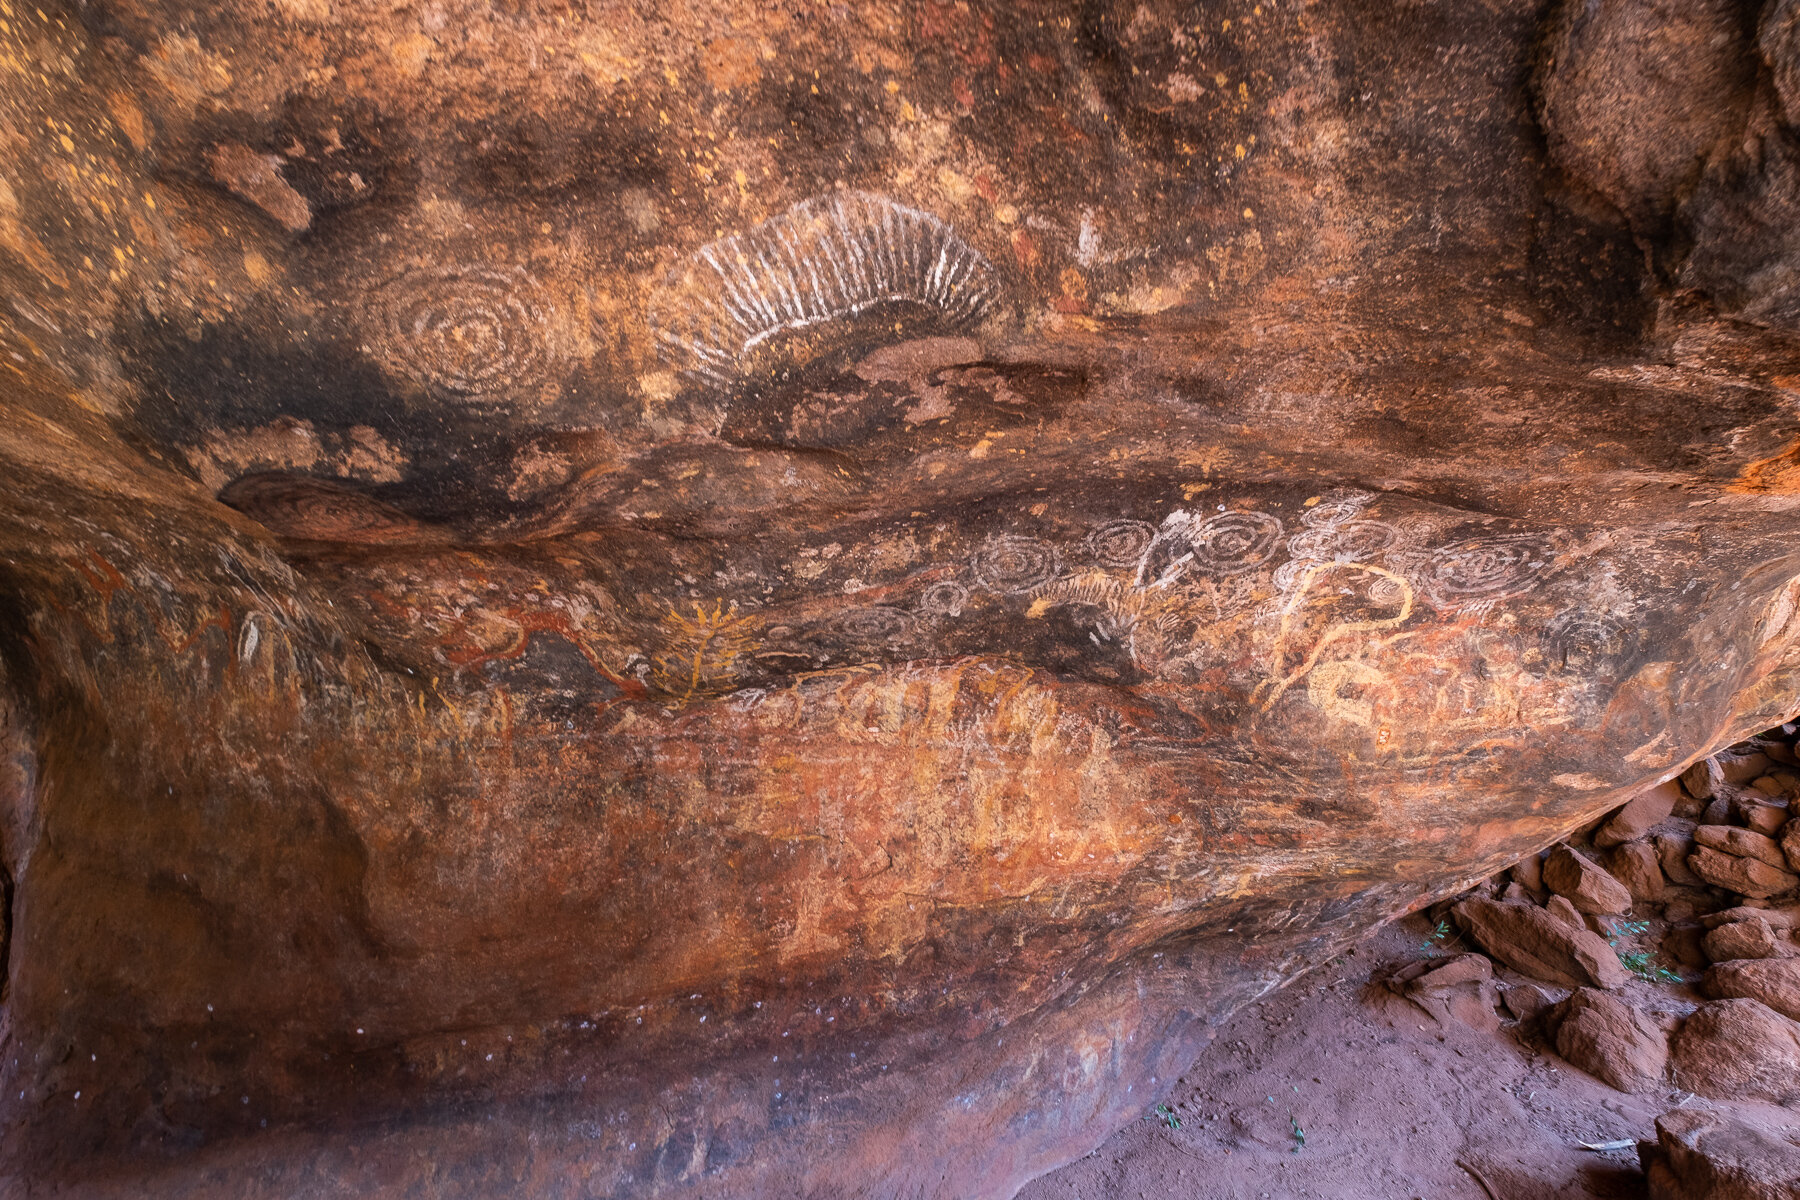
[(1485, 568), (1336, 508), (1387, 591), (1010, 562), (1227, 543), (1348, 541), (467, 331), (1120, 543), (1579, 642), (944, 599), (1235, 541), (877, 623)]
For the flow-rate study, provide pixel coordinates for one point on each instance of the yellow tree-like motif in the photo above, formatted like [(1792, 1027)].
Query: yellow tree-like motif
[(700, 652)]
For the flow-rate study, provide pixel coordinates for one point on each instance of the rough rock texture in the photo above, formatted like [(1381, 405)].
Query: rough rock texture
[(1637, 866), (1766, 819), (1705, 1156), (1584, 883), (1750, 877), (1457, 989), (1610, 1040), (1744, 843), (1636, 93), (1775, 982), (1700, 780), (1749, 938), (1532, 941), (769, 599), (1560, 908), (1672, 850), (1738, 1049), (1644, 812), (1528, 873)]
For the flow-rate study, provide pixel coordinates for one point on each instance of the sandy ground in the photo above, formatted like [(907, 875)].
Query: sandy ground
[(1327, 1089)]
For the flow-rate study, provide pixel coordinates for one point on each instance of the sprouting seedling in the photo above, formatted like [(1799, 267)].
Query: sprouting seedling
[(1429, 947), (1168, 1116), (1299, 1133)]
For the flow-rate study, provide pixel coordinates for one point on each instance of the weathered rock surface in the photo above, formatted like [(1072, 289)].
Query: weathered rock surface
[(1584, 883), (1701, 1155), (1533, 942), (1774, 982), (1746, 876), (1672, 850), (1700, 780), (1743, 843), (1749, 938), (1738, 1049), (795, 600), (1639, 868), (1766, 819), (1639, 816), (1459, 989), (1610, 1040)]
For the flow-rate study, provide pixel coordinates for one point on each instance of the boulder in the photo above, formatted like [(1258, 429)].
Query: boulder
[(1526, 1000), (1766, 819), (1610, 1040), (1746, 876), (1560, 908), (1776, 918), (1586, 885), (1701, 1155), (1528, 873), (1639, 868), (1772, 981), (1699, 780), (1738, 1050), (1671, 851), (1740, 767), (1460, 988), (1639, 815), (1790, 845), (1744, 843), (1534, 943), (1751, 938)]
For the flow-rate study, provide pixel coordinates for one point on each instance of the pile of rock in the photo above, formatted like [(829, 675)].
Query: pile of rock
[(1692, 890)]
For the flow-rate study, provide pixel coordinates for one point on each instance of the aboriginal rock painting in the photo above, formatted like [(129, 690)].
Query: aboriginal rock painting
[(1398, 628), (460, 331), (823, 261)]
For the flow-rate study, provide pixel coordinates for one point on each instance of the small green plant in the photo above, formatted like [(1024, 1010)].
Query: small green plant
[(1429, 947), (1168, 1116), (1643, 964), (1299, 1133)]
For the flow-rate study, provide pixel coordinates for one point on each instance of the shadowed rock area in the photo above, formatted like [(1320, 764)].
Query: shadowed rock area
[(767, 598)]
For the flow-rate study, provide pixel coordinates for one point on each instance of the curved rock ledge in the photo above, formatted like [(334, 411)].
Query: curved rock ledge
[(452, 743)]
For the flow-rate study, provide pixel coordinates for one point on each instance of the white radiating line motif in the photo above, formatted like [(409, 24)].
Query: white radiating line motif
[(822, 260)]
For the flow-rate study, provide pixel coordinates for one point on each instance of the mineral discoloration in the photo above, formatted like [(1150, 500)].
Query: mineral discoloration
[(501, 614)]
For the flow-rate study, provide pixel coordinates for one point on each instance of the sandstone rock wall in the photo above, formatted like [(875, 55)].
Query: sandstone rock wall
[(788, 599)]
